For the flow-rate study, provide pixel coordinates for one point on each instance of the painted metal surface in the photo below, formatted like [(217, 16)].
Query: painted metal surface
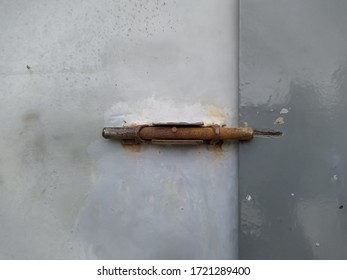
[(293, 75), (69, 68)]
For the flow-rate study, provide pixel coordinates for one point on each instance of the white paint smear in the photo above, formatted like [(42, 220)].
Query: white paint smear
[(284, 111), (154, 110)]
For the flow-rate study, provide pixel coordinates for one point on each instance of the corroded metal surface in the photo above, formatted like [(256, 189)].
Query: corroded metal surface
[(209, 134)]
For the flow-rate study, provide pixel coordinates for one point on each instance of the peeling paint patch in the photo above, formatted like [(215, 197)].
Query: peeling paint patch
[(284, 111), (248, 197), (279, 121)]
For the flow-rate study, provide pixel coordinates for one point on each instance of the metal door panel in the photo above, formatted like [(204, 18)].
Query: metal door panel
[(292, 78), (67, 69)]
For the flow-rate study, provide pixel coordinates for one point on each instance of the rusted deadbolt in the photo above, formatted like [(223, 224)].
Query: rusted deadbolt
[(183, 133)]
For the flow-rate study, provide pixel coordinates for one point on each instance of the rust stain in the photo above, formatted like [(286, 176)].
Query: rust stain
[(216, 112), (217, 149), (131, 146)]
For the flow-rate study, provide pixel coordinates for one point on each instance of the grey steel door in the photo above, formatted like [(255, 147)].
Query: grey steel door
[(67, 69), (293, 57)]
